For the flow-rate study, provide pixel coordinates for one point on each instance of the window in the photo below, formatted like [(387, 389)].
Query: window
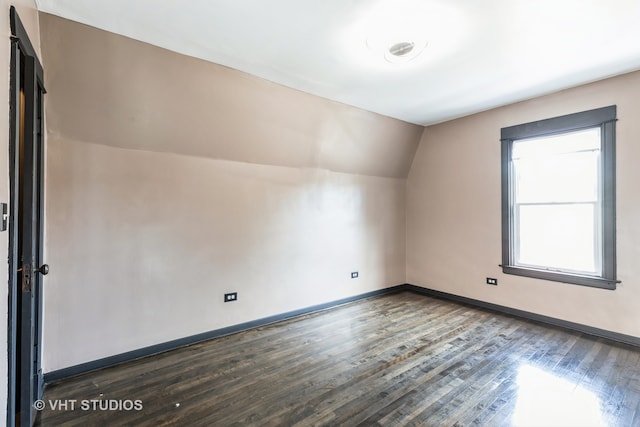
[(558, 199)]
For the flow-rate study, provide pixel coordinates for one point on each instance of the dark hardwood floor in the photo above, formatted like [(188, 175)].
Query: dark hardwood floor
[(401, 359)]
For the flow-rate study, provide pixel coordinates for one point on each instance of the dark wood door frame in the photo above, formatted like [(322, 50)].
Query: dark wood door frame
[(25, 290)]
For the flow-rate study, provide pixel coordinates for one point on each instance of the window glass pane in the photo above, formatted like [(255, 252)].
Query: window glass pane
[(569, 177), (583, 140), (558, 236)]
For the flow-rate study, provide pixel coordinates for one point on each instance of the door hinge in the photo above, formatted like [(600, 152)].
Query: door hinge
[(5, 216)]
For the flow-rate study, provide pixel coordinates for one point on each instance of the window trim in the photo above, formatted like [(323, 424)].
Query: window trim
[(604, 118)]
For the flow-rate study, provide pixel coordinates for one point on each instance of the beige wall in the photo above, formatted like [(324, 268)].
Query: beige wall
[(143, 245), (171, 181), (29, 17), (453, 211)]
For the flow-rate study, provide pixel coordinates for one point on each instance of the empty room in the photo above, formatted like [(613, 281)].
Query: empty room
[(292, 213)]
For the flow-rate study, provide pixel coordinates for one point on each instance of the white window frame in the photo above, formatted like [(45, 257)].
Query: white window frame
[(603, 118)]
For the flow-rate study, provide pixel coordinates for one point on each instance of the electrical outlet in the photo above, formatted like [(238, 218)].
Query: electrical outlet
[(354, 274), (492, 281), (233, 296)]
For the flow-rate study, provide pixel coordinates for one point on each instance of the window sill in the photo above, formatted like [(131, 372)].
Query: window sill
[(574, 279)]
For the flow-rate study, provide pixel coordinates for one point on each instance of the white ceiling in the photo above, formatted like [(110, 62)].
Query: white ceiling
[(480, 53)]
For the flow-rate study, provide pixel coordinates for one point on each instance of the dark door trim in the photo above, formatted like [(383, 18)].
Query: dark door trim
[(14, 132), (22, 52), (19, 35)]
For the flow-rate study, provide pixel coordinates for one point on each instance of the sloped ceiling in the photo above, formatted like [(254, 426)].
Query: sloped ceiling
[(479, 54), (108, 89)]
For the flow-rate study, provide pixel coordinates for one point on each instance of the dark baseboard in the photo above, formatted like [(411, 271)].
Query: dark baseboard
[(72, 371), (602, 333), (83, 368)]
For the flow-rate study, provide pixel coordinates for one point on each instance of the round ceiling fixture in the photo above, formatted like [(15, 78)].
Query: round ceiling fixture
[(402, 48), (403, 51)]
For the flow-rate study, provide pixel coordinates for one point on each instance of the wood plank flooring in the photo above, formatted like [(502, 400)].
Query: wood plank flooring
[(401, 359)]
